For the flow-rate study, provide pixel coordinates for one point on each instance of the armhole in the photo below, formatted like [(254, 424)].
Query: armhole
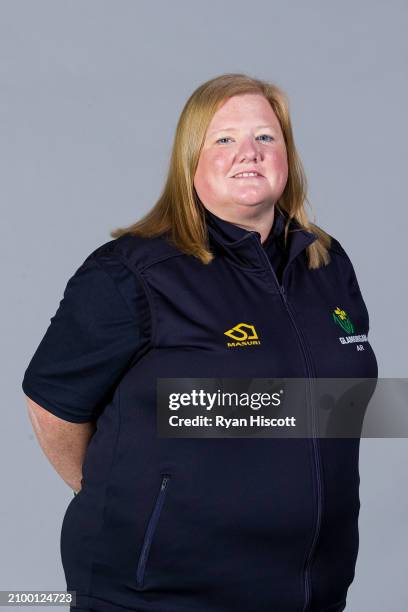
[(135, 293)]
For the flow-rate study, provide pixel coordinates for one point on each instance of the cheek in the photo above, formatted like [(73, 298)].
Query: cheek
[(211, 168), (218, 163), (278, 164)]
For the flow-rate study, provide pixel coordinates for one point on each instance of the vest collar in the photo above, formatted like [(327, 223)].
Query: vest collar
[(240, 245)]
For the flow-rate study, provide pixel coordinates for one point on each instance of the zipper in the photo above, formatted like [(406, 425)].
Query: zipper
[(316, 452), (151, 527)]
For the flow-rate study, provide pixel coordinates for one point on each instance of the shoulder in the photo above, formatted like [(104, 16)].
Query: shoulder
[(111, 274), (137, 252), (116, 267), (341, 264), (332, 244), (337, 252), (337, 248), (338, 256)]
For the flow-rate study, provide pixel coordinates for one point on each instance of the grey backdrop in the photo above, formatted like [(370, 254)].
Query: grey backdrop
[(90, 95)]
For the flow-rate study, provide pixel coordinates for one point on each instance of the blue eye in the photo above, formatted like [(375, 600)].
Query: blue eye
[(261, 136)]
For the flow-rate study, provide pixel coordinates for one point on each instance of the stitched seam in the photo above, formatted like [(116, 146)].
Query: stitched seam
[(34, 378), (101, 266), (160, 259), (229, 243), (54, 409), (245, 269), (104, 509), (148, 294)]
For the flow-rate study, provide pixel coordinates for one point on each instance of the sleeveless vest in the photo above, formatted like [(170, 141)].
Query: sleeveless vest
[(222, 524)]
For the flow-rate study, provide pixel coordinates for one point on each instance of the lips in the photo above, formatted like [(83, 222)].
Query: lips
[(259, 175), (249, 177)]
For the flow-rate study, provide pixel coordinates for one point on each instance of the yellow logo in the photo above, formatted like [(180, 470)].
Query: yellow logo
[(243, 334)]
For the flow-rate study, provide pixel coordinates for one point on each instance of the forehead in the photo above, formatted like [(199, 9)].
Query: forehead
[(243, 109)]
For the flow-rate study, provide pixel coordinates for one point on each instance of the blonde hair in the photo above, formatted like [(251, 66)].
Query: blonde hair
[(178, 212)]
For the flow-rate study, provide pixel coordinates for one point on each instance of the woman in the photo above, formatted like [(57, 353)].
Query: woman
[(209, 525)]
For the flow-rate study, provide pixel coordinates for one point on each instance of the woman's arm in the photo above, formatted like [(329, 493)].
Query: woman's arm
[(63, 443)]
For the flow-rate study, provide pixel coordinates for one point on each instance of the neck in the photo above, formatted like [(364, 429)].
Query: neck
[(252, 221)]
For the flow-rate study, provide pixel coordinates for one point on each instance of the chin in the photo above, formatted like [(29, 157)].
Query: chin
[(256, 202)]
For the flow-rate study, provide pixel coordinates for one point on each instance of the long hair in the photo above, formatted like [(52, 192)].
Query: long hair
[(179, 213)]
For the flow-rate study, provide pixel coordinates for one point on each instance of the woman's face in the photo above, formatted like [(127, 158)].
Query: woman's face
[(244, 134)]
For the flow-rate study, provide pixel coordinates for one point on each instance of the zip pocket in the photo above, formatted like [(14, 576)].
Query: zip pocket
[(151, 527)]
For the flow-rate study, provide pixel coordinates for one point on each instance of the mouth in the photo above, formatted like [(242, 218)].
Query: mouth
[(248, 175)]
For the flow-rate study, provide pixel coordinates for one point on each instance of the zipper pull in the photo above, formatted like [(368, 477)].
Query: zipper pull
[(164, 482)]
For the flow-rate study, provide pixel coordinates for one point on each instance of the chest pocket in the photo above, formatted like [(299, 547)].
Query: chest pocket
[(336, 326)]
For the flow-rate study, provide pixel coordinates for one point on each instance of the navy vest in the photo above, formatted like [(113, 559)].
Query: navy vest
[(226, 524)]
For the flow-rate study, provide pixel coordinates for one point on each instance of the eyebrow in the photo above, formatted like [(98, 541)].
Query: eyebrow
[(231, 129)]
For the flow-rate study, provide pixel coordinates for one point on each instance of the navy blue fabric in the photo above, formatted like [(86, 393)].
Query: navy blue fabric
[(273, 245), (211, 524), (101, 324)]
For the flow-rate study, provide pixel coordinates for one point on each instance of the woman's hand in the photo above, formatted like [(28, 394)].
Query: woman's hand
[(63, 443)]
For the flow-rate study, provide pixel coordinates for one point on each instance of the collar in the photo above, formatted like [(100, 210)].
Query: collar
[(244, 246)]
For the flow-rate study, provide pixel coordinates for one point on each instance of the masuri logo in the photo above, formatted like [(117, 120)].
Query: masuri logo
[(244, 334)]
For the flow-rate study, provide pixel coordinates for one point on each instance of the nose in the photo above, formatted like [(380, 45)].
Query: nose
[(249, 149)]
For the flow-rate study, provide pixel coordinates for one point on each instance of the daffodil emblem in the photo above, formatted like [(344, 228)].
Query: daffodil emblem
[(341, 318)]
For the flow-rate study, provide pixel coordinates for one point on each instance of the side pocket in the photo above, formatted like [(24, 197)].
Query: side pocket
[(151, 527)]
